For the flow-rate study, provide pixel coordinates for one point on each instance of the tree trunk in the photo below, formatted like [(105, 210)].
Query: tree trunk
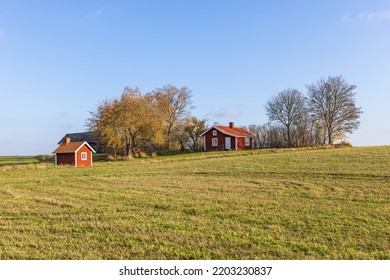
[(168, 144), (169, 131), (127, 150), (288, 136), (330, 137)]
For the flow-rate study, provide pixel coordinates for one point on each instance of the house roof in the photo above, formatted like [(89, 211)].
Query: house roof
[(232, 131), (71, 147), (81, 137)]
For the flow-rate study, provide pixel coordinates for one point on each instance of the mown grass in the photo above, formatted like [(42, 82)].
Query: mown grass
[(265, 204)]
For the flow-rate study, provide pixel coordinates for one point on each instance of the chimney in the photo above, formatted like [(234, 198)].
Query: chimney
[(67, 140), (231, 124)]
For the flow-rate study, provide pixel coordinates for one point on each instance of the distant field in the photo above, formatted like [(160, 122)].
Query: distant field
[(263, 204), (12, 160), (27, 162)]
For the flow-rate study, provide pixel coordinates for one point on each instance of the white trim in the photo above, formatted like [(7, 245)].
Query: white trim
[(236, 148), (75, 159), (214, 142), (204, 142), (85, 143), (55, 159), (215, 132), (204, 133)]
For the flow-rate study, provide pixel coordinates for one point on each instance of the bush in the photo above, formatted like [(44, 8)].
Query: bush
[(111, 157), (130, 157), (45, 158), (142, 154), (343, 145)]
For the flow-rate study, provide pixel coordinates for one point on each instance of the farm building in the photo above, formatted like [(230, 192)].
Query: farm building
[(227, 138), (93, 140), (74, 153)]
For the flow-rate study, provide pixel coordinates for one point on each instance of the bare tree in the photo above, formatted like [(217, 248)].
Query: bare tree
[(287, 108), (332, 104), (180, 135), (173, 105), (194, 128), (256, 131)]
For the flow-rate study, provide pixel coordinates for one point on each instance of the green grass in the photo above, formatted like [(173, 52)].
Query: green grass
[(264, 204), (13, 160)]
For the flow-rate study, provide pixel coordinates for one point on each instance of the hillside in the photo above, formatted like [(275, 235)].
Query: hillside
[(263, 204)]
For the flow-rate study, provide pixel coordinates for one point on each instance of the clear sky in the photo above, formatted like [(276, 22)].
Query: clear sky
[(60, 59)]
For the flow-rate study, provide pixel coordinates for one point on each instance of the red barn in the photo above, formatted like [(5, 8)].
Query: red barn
[(74, 153), (227, 138)]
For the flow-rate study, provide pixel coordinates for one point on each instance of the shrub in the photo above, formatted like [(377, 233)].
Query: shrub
[(343, 145), (45, 158), (142, 154), (111, 158)]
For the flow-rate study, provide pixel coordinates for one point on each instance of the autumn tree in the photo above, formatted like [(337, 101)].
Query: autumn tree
[(138, 117), (127, 121), (173, 106), (287, 108), (103, 122), (332, 105)]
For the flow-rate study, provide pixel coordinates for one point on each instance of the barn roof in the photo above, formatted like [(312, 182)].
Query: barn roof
[(235, 131), (81, 137), (232, 131), (71, 147)]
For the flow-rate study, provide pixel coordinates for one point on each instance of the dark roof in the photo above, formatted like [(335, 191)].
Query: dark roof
[(81, 137)]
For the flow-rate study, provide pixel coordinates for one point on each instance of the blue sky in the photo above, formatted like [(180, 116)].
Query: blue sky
[(60, 59)]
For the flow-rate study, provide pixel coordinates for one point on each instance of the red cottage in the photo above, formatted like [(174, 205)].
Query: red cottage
[(74, 153), (227, 138)]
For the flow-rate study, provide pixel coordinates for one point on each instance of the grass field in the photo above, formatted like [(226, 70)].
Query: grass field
[(16, 160), (264, 204)]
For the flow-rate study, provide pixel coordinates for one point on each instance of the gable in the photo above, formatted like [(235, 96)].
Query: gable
[(72, 147)]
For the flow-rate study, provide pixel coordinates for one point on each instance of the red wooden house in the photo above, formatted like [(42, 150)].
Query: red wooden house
[(227, 138), (74, 153)]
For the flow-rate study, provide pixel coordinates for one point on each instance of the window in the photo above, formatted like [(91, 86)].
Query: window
[(214, 133), (83, 156), (247, 141), (214, 142)]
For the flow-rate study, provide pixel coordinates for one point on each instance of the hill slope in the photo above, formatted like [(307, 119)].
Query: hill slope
[(265, 204)]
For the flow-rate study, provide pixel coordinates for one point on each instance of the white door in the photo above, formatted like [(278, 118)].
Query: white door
[(228, 145)]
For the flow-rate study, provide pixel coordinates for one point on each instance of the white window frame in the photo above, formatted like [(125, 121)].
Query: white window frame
[(214, 133), (247, 142), (84, 156), (214, 142)]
